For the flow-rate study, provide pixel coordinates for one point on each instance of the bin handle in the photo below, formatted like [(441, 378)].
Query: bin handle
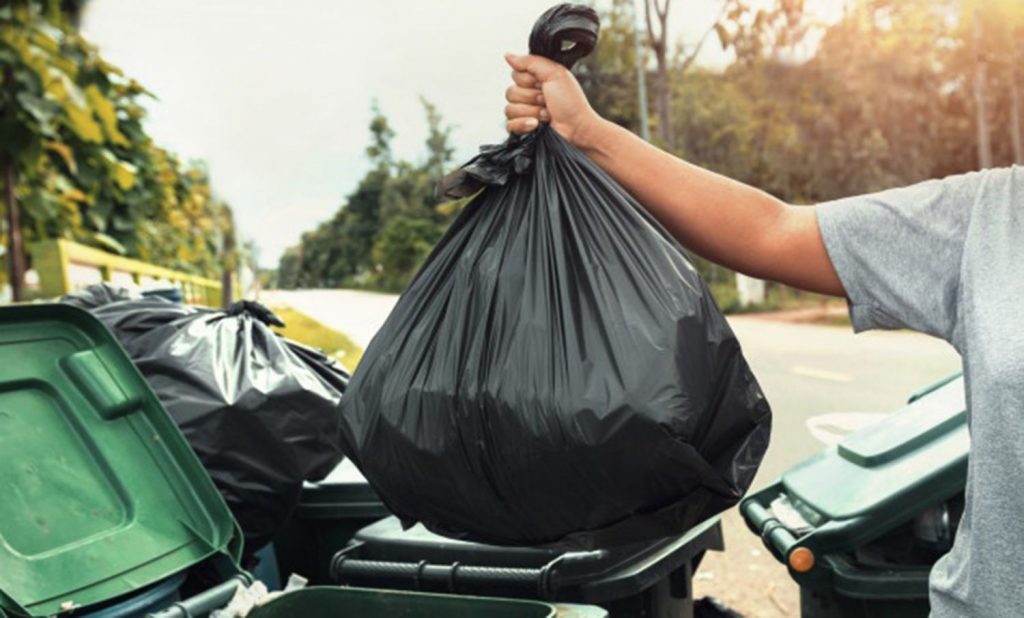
[(447, 577), (777, 538), (204, 602)]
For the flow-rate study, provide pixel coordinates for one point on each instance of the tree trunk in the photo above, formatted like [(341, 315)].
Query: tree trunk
[(981, 99), (664, 105), (659, 43), (227, 289), (1015, 105), (641, 79), (15, 250)]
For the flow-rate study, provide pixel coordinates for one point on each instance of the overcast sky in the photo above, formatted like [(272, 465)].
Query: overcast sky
[(275, 95)]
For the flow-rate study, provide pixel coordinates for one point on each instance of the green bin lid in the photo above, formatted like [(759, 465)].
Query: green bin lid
[(100, 494), (924, 445)]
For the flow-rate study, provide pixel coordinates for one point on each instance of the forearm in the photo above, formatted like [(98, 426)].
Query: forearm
[(718, 218)]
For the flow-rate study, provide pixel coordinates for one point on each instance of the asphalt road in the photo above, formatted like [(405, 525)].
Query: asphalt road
[(822, 382)]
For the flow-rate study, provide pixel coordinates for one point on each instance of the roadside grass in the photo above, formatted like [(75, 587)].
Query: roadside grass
[(304, 329)]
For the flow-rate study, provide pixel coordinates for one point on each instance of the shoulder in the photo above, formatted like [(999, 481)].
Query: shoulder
[(1002, 183)]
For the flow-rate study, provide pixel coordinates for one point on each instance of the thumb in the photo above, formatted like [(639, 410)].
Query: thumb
[(541, 68)]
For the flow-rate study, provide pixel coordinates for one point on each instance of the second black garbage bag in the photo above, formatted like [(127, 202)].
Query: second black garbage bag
[(557, 372), (260, 411)]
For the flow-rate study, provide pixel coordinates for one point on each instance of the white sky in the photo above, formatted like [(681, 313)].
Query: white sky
[(275, 95)]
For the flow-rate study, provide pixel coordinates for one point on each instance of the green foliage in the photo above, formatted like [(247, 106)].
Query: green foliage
[(608, 75), (400, 247), (304, 329), (71, 125), (386, 227)]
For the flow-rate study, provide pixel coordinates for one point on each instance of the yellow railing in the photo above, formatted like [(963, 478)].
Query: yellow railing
[(64, 266)]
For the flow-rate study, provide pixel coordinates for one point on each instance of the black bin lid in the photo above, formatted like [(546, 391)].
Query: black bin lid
[(384, 555)]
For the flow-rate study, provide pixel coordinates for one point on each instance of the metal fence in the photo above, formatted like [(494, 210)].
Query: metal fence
[(64, 266)]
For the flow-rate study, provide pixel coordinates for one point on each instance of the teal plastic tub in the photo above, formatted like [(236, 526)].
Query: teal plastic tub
[(860, 524)]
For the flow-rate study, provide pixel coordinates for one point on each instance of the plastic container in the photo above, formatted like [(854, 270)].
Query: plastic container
[(328, 514), (649, 579), (103, 496), (334, 602), (860, 524)]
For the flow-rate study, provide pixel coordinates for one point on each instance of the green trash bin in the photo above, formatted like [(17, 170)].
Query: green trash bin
[(859, 525), (107, 512), (328, 514), (103, 499), (323, 602)]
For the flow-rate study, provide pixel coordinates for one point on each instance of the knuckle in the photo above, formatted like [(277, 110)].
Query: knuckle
[(524, 79)]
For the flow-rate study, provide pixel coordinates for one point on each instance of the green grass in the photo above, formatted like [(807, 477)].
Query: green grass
[(304, 329)]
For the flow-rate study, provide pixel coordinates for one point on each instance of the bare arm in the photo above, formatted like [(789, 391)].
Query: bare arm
[(721, 219)]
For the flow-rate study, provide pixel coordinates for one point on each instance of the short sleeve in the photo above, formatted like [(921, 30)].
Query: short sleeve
[(899, 253)]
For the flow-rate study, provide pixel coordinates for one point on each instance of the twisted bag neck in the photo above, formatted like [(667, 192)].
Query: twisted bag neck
[(256, 310), (565, 33)]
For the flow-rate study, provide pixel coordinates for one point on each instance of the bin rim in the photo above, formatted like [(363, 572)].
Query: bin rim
[(546, 573)]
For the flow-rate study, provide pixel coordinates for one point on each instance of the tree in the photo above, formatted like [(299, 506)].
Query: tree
[(386, 226), (657, 37), (289, 268), (381, 134), (439, 146), (990, 34), (400, 248), (608, 75), (77, 161), (981, 94)]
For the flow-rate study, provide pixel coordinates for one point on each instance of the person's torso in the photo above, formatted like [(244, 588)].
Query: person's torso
[(984, 574)]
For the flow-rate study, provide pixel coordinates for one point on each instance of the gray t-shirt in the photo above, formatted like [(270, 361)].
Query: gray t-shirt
[(946, 257)]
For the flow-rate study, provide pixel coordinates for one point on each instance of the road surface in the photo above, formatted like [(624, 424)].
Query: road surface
[(822, 382)]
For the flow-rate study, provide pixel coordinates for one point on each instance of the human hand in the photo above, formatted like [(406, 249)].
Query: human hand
[(545, 91)]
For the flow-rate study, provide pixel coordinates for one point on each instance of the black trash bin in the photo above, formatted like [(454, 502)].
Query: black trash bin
[(328, 514), (860, 524), (651, 579)]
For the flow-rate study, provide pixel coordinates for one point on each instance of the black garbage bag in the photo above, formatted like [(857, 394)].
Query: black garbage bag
[(261, 412), (557, 372), (100, 294)]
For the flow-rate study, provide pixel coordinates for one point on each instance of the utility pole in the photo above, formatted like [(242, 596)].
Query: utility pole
[(229, 259), (980, 95), (641, 77), (15, 250), (1016, 138), (1015, 123)]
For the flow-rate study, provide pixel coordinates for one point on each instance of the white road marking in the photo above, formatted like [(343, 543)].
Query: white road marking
[(821, 374), (829, 429)]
